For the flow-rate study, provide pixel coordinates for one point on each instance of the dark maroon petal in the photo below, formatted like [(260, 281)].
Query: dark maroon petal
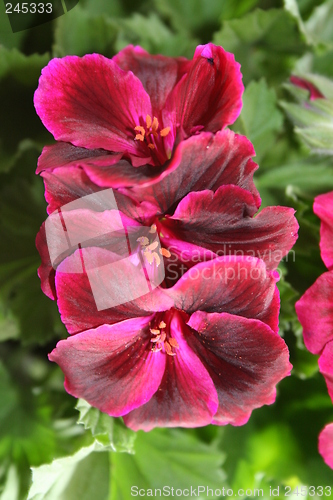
[(186, 396), (323, 207), (85, 294), (236, 285), (112, 367), (204, 161), (304, 84), (65, 154), (245, 359), (315, 313), (90, 102), (209, 96), (158, 74), (326, 367), (325, 444), (219, 223)]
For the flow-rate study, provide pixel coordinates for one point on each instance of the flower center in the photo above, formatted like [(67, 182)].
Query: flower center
[(152, 250), (150, 133), (162, 340)]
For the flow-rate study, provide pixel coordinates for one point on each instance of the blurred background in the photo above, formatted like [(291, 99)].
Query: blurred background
[(98, 457)]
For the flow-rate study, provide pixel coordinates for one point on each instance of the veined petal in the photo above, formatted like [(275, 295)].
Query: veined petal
[(111, 367), (111, 290), (325, 363), (245, 359), (210, 94), (90, 102), (323, 207), (325, 444), (205, 161), (218, 221), (186, 396), (157, 73), (315, 313), (236, 285)]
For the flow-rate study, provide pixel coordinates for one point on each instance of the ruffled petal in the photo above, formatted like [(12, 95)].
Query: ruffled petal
[(157, 73), (315, 313), (236, 285), (90, 102), (323, 207), (204, 161), (209, 96), (245, 359), (186, 396), (216, 221), (325, 444), (112, 367), (108, 289)]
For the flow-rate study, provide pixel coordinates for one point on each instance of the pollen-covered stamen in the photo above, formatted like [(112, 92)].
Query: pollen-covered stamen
[(163, 341), (148, 248), (149, 133)]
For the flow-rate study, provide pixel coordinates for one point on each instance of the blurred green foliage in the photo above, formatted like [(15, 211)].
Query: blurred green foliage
[(98, 457)]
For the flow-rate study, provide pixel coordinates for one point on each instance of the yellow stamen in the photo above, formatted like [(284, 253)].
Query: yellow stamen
[(162, 337), (149, 257), (154, 127), (144, 241), (168, 349), (173, 343), (148, 121), (164, 132), (162, 325), (165, 252), (155, 331), (153, 228), (153, 245), (151, 146), (157, 258)]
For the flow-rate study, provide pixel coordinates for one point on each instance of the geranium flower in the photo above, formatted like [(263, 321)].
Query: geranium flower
[(135, 106), (205, 223), (315, 312), (204, 351)]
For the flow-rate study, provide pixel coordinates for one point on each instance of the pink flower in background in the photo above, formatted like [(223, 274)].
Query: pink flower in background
[(305, 84), (135, 107), (200, 352), (315, 311)]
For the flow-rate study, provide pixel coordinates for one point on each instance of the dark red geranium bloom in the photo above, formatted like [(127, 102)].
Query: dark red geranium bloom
[(204, 351), (135, 106), (193, 226), (315, 313)]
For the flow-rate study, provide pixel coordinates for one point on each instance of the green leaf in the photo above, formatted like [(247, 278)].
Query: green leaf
[(107, 430), (84, 475), (320, 25), (319, 139), (25, 69), (266, 43), (260, 119), (80, 32), (154, 36)]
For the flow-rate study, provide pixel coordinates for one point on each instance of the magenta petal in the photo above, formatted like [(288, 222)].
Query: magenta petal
[(90, 102), (158, 74), (210, 94), (323, 207), (186, 396), (315, 313), (112, 367), (237, 285), (217, 222), (204, 161), (245, 359), (326, 367), (110, 291), (325, 444), (46, 271)]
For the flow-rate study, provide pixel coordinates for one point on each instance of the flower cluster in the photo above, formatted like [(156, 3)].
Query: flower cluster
[(164, 277), (315, 312)]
